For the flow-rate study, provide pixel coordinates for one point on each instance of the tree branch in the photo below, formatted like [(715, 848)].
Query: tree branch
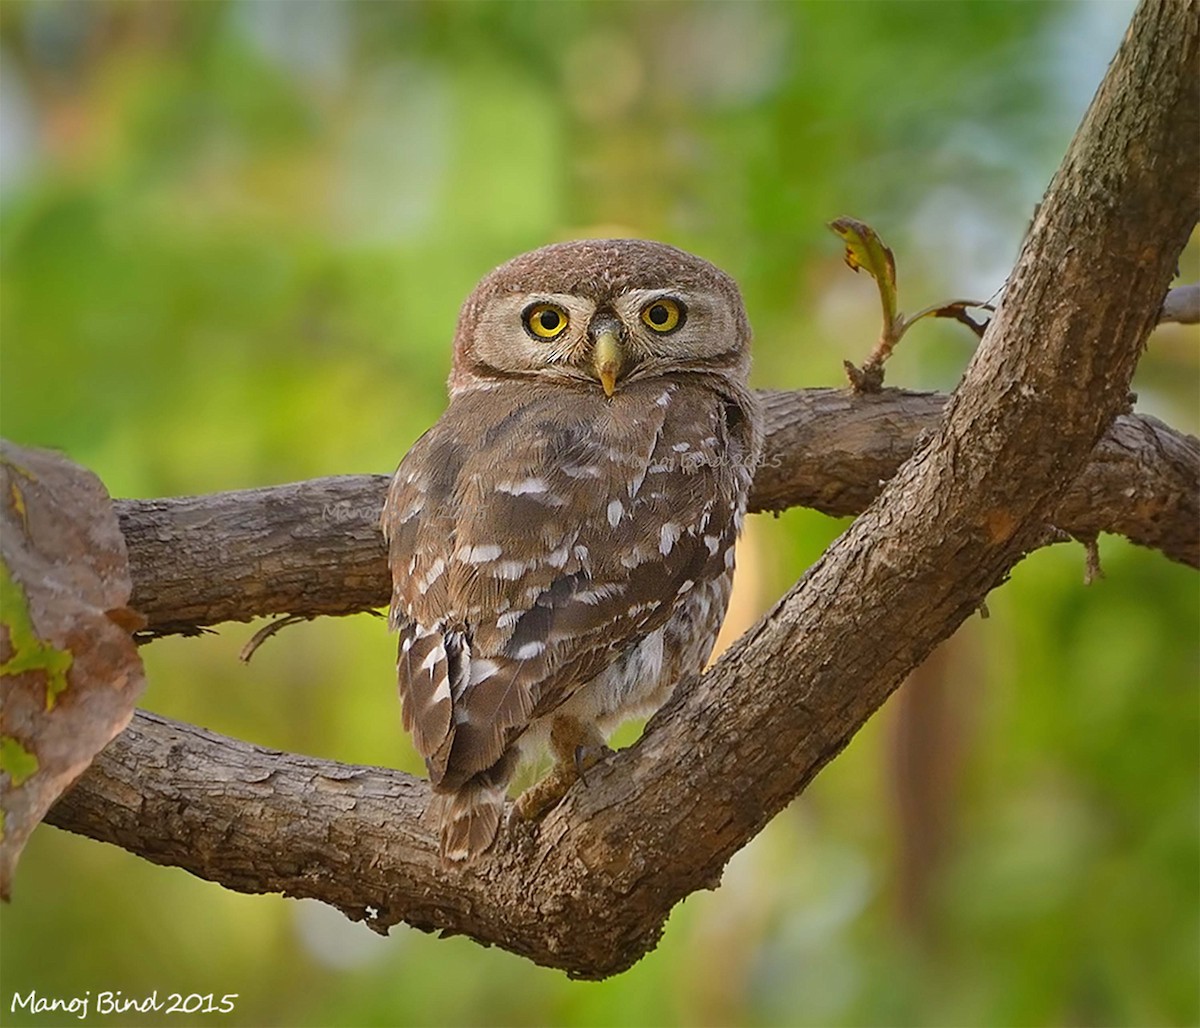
[(313, 548), (589, 890)]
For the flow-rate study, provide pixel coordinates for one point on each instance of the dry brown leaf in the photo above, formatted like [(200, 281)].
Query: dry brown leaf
[(69, 670)]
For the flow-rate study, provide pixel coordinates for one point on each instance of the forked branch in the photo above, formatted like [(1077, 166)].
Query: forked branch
[(589, 890)]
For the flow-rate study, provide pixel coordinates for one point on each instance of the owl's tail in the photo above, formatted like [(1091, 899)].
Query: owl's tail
[(468, 818)]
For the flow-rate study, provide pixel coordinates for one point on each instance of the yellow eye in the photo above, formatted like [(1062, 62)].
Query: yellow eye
[(546, 320), (663, 315)]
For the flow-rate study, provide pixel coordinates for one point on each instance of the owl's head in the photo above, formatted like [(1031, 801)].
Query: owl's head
[(600, 313)]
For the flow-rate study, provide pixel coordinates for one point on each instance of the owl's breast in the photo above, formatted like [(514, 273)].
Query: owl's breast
[(560, 544)]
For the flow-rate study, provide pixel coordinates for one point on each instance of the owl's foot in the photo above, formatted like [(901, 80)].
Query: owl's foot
[(541, 797), (577, 749)]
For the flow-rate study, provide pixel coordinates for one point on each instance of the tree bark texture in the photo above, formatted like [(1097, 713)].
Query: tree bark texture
[(314, 548), (589, 889)]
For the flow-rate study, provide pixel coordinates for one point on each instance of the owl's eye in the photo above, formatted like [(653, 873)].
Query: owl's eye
[(546, 320), (664, 315)]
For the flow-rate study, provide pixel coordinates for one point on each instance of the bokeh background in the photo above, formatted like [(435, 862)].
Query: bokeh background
[(235, 236)]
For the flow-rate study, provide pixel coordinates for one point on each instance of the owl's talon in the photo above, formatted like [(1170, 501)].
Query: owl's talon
[(587, 757), (580, 765)]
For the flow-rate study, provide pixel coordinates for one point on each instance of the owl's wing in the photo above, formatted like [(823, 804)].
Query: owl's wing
[(535, 535)]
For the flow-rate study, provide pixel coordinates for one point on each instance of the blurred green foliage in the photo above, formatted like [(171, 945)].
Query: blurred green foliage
[(234, 239)]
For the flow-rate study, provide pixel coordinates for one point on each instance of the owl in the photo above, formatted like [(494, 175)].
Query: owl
[(561, 541)]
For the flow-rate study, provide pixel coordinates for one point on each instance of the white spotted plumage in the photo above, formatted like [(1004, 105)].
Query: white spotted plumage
[(541, 577)]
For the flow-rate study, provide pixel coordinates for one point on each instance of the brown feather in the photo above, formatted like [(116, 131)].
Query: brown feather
[(424, 694)]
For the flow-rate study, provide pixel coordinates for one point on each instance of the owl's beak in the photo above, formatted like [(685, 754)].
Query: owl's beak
[(608, 356)]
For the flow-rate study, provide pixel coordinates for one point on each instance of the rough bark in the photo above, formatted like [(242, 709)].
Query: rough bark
[(314, 548), (589, 890)]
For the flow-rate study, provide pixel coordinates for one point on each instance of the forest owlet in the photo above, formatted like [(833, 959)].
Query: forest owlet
[(561, 541)]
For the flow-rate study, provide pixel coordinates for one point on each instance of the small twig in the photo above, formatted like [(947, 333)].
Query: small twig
[(278, 625), (889, 336), (866, 251), (1092, 571), (268, 630)]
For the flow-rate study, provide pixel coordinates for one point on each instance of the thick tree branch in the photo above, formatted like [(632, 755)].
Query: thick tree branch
[(314, 547), (589, 890)]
